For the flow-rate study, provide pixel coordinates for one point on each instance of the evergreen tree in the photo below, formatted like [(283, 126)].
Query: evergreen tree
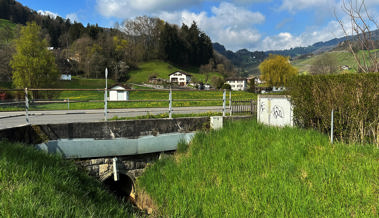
[(33, 64)]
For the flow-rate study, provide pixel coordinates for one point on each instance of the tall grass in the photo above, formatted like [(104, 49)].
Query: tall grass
[(247, 169), (35, 184)]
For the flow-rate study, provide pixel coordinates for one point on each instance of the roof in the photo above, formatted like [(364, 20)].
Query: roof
[(181, 73), (121, 85)]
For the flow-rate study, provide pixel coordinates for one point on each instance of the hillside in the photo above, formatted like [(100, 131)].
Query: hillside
[(4, 23), (162, 69), (243, 59), (249, 60), (343, 58)]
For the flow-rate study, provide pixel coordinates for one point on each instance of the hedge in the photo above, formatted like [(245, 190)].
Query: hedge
[(353, 97)]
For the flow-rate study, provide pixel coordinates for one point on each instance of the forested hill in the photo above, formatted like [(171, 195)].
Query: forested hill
[(245, 60), (88, 50)]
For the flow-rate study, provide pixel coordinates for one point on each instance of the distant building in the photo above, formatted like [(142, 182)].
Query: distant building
[(118, 92), (65, 77), (278, 88), (237, 84), (207, 86), (180, 78), (345, 67)]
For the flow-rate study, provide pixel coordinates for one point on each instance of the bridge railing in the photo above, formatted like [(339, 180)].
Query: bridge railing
[(149, 101)]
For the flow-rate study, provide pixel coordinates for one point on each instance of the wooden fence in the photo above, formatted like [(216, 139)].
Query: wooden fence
[(243, 106)]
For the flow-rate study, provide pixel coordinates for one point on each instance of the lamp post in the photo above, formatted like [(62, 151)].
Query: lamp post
[(106, 94)]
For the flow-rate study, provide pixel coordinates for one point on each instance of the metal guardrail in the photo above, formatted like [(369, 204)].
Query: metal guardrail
[(233, 106)]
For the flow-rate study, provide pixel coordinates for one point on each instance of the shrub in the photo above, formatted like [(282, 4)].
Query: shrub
[(353, 97)]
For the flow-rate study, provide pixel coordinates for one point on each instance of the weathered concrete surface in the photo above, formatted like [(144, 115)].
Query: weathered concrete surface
[(92, 148), (35, 134), (133, 165)]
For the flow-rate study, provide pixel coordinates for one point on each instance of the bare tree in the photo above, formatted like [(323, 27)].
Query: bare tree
[(360, 34), (324, 64), (143, 33)]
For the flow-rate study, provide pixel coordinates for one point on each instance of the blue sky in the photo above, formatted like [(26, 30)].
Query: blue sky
[(237, 24)]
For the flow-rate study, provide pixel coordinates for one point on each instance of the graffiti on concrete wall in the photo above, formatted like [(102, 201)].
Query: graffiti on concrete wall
[(274, 110), (277, 112)]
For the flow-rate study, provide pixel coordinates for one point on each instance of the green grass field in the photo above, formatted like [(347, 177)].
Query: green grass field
[(4, 23), (214, 99), (87, 98), (163, 70), (250, 170), (35, 184), (343, 58)]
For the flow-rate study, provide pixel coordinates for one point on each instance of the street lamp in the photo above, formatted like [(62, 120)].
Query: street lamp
[(106, 94)]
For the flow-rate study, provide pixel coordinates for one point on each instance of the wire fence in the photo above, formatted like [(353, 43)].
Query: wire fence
[(128, 102)]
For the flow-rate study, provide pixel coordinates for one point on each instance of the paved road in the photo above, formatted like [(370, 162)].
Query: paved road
[(14, 119)]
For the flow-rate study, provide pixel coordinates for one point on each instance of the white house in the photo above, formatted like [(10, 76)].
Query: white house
[(180, 78), (237, 84), (118, 93)]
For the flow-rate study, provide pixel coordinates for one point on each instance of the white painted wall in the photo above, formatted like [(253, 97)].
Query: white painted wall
[(118, 93), (237, 85), (181, 78), (274, 110)]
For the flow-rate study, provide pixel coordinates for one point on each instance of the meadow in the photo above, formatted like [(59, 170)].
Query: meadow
[(139, 97), (162, 70), (36, 184), (249, 170), (342, 57)]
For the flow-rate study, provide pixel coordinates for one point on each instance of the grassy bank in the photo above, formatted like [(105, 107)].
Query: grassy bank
[(247, 169), (34, 184)]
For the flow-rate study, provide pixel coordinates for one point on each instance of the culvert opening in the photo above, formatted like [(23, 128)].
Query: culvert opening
[(123, 188)]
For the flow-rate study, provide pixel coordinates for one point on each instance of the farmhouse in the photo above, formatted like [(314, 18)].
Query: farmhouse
[(118, 92), (237, 84), (180, 78)]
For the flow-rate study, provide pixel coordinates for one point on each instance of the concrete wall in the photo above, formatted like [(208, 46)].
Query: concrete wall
[(133, 166), (274, 110), (36, 134)]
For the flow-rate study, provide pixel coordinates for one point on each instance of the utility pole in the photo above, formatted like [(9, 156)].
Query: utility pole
[(106, 95)]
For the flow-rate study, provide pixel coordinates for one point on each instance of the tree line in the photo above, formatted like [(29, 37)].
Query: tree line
[(87, 50)]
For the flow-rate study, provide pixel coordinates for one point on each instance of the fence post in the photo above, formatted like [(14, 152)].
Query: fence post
[(27, 106), (230, 102), (331, 126), (224, 103), (170, 104), (105, 104), (252, 107), (68, 104)]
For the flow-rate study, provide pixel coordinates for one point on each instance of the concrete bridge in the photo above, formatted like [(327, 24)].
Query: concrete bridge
[(115, 152)]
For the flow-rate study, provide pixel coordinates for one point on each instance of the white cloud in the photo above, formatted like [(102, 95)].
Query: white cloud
[(297, 5), (228, 24), (132, 8), (73, 17), (48, 13), (312, 35)]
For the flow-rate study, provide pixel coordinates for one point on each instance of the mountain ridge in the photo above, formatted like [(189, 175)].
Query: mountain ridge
[(248, 61)]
